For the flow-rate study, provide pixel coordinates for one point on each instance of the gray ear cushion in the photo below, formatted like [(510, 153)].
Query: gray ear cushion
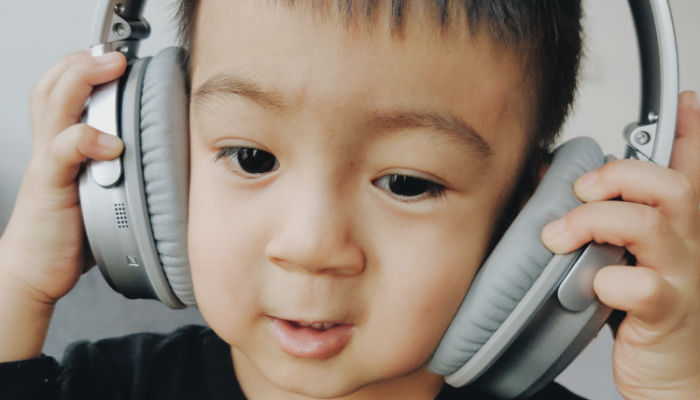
[(517, 260), (165, 157)]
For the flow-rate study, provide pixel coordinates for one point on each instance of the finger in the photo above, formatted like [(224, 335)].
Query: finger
[(73, 146), (642, 292), (687, 143), (646, 183), (40, 92), (67, 99), (643, 230)]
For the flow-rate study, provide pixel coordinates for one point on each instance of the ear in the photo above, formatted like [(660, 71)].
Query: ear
[(538, 175), (531, 175)]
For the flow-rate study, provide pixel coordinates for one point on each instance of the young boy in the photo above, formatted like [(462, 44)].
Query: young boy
[(350, 162)]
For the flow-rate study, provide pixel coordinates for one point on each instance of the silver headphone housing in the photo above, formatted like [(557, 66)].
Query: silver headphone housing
[(114, 207)]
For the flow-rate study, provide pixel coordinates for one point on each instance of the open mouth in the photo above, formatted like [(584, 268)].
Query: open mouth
[(319, 326), (313, 340)]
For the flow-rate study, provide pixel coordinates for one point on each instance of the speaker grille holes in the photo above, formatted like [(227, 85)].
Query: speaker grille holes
[(120, 215)]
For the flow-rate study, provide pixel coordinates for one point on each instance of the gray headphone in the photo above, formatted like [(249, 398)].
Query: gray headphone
[(527, 314)]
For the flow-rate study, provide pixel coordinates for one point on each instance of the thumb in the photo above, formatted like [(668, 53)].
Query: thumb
[(686, 146)]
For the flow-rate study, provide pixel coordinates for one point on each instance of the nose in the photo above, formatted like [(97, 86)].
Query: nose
[(315, 234)]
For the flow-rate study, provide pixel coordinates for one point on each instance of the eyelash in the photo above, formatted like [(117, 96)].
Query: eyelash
[(232, 155), (421, 188), (429, 189)]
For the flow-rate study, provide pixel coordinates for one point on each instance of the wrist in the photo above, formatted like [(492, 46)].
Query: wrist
[(18, 267), (24, 320)]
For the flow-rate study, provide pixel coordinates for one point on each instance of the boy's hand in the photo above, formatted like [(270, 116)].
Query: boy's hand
[(42, 250), (657, 347)]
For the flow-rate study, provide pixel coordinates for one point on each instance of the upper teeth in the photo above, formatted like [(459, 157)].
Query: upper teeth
[(317, 325)]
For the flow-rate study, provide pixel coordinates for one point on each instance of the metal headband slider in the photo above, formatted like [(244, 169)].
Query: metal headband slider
[(641, 140), (119, 25), (121, 29)]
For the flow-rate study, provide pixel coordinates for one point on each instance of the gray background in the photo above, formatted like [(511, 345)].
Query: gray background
[(38, 33)]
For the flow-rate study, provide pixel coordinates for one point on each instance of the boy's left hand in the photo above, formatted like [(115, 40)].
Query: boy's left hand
[(657, 347)]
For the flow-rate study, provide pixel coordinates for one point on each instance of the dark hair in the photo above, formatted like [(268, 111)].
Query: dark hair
[(546, 33)]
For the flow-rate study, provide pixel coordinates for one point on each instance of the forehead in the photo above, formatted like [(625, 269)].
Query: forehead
[(319, 56)]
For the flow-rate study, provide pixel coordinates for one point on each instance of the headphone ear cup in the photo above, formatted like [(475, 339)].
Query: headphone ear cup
[(164, 127), (514, 265)]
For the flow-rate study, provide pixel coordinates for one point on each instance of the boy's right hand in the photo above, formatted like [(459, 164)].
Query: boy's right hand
[(42, 249)]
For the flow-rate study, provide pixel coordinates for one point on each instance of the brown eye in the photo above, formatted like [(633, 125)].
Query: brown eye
[(409, 188), (248, 160)]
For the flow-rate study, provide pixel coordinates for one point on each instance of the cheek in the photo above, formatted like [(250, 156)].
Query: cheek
[(425, 273), (222, 250)]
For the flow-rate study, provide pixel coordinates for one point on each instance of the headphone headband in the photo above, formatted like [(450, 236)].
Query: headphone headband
[(119, 25), (652, 137)]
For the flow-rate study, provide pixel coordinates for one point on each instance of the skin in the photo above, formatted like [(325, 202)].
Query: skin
[(331, 243), (318, 239)]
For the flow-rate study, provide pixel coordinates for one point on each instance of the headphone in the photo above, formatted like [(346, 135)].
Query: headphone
[(528, 312)]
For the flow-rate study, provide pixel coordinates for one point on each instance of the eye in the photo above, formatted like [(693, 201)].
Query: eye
[(248, 160), (409, 188)]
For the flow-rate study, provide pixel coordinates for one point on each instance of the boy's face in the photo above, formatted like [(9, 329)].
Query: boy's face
[(324, 227)]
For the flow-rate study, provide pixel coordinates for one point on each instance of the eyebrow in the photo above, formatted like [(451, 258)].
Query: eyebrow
[(225, 84), (444, 122)]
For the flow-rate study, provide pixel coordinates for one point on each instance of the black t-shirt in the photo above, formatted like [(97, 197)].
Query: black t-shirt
[(190, 363)]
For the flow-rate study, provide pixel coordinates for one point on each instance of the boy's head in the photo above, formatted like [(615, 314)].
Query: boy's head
[(349, 163)]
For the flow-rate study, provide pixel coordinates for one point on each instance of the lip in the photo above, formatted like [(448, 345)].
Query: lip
[(306, 342)]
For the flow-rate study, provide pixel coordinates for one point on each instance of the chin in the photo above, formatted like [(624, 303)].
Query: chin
[(329, 384), (316, 392)]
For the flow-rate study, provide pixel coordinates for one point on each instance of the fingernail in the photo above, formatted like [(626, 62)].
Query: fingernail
[(552, 235), (109, 142), (585, 187), (108, 58), (696, 103)]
